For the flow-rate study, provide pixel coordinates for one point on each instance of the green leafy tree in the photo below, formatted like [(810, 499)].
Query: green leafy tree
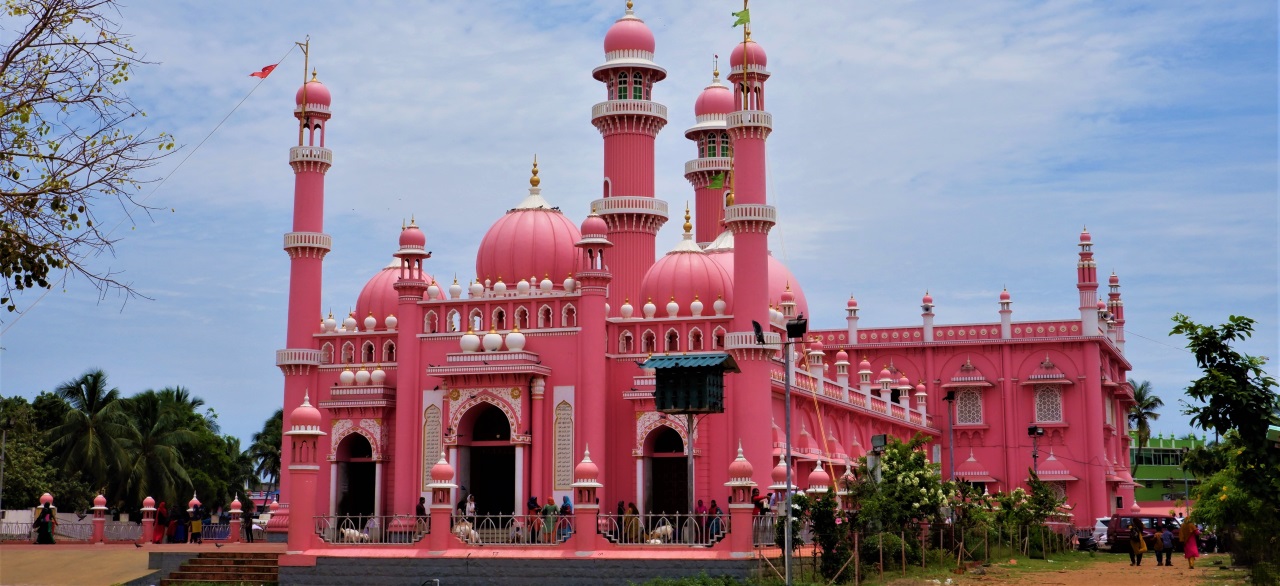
[(242, 475), (1144, 411), (153, 459), (88, 440), (910, 489), (71, 140), (265, 449), (28, 472)]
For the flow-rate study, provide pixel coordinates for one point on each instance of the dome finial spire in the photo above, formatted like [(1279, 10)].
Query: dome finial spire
[(630, 5), (715, 68), (688, 227), (313, 74), (534, 181)]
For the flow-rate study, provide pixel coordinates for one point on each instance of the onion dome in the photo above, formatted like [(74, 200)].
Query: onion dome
[(455, 290), (586, 469), (904, 382), (347, 378), (330, 324), (570, 284), (46, 499), (805, 443), (920, 390), (885, 374), (853, 303), (865, 365), (370, 323), (740, 468), (469, 342), (816, 345), (532, 238), (349, 323), (719, 306), (626, 310), (1004, 295), (492, 341), (696, 307), (522, 288), (235, 505), (362, 377), (499, 288), (629, 33), (1114, 281), (594, 227), (779, 474), (787, 296), (476, 289), (379, 297), (684, 273), (928, 299), (194, 502), (842, 356), (148, 503), (716, 98), (441, 472), (649, 309), (378, 376), (274, 506), (391, 322), (1085, 238), (751, 52), (545, 285), (99, 502), (1102, 305), (304, 416), (673, 308), (515, 340), (819, 480), (316, 93), (412, 241)]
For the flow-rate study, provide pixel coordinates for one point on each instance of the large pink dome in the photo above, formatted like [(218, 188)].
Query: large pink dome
[(379, 295), (629, 33), (754, 52), (715, 99), (684, 273), (316, 93), (779, 275), (529, 242)]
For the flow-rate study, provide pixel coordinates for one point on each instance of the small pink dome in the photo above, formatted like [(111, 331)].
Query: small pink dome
[(274, 506), (852, 302), (1102, 305), (816, 345), (686, 273), (779, 474), (99, 501), (1084, 236), (755, 54), (1004, 295), (412, 236), (928, 299), (193, 503), (629, 33), (594, 225), (715, 99), (586, 469), (379, 296), (885, 374), (529, 241), (442, 472), (740, 467), (842, 356), (805, 443), (305, 414), (148, 503), (904, 381), (787, 295), (46, 499), (865, 364), (236, 504), (316, 94), (920, 387), (1114, 280), (819, 477)]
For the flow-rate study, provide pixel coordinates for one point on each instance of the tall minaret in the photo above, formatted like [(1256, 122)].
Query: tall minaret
[(629, 120), (750, 218), (1087, 283), (1116, 306), (714, 155), (306, 244)]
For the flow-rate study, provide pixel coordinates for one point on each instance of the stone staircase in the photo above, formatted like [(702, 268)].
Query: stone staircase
[(218, 567)]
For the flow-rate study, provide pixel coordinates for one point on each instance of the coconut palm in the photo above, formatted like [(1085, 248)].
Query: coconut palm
[(153, 461), (1143, 412), (243, 473), (87, 439), (265, 449)]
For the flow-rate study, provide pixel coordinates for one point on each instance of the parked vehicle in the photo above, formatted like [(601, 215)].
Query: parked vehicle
[(1100, 530), (1118, 529)]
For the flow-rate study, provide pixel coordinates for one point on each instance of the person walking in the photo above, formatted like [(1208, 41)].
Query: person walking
[(700, 515), (469, 510), (565, 524), (197, 525), (1137, 543), (1166, 539), (713, 524), (1190, 535), (246, 520), (162, 523), (46, 523)]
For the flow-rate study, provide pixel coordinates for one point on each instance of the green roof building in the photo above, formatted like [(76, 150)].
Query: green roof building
[(1157, 467)]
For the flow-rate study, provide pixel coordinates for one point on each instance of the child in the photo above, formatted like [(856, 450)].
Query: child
[(1166, 539)]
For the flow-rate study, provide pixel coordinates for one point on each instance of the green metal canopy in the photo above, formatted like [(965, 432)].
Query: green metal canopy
[(690, 383), (692, 361)]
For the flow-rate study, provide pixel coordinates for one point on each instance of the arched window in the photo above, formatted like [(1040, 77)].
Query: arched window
[(544, 317), (568, 316), (326, 353), (695, 340), (717, 338), (430, 323), (389, 351), (622, 85), (637, 86), (366, 352), (606, 187), (673, 341), (648, 342), (969, 405), (455, 321), (702, 147), (1048, 404), (522, 318), (499, 319), (626, 343), (348, 353), (712, 141), (724, 145), (475, 321)]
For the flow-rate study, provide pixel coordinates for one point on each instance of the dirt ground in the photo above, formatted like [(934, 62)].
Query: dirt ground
[(1108, 570), (88, 565)]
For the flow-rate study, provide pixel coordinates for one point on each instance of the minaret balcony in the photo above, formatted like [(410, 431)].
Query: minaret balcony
[(708, 164), (630, 204), (629, 107), (751, 212), (755, 68), (310, 154), (308, 240), (747, 340), (742, 118), (297, 357)]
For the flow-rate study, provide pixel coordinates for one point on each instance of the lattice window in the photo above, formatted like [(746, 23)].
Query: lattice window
[(564, 446), (1059, 489), (969, 405), (431, 442), (1048, 404)]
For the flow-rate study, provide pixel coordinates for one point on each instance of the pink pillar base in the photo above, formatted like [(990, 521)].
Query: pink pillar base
[(441, 531), (741, 528), (148, 530), (99, 529), (236, 527), (585, 536)]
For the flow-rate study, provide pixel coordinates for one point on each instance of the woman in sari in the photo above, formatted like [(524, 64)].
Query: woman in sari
[(1189, 534), (162, 524), (631, 523), (45, 523)]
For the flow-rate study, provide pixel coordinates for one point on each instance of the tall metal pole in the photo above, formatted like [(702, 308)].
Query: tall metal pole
[(786, 394), (4, 438), (1035, 453), (689, 428), (951, 436)]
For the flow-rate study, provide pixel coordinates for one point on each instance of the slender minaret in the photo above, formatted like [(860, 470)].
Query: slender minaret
[(1087, 283), (307, 245), (1116, 306), (1006, 314), (750, 218), (926, 308), (629, 120), (714, 155), (410, 286), (593, 281)]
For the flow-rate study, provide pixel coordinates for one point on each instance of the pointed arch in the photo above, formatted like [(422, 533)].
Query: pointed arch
[(348, 353), (626, 343), (475, 320), (568, 316), (648, 342), (544, 317), (431, 323), (522, 318), (717, 338), (672, 340), (454, 320), (499, 319), (695, 340), (389, 351), (326, 353), (366, 352)]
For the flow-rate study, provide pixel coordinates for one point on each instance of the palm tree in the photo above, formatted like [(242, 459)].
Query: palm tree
[(189, 404), (87, 439), (153, 463), (265, 449), (1143, 412), (243, 474)]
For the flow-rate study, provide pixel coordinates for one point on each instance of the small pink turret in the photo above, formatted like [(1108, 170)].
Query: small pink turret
[(304, 438), (926, 308), (1116, 306), (1006, 314), (410, 287), (851, 317), (1087, 284), (710, 172)]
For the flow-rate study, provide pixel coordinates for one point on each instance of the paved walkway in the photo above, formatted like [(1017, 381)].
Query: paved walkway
[(81, 564)]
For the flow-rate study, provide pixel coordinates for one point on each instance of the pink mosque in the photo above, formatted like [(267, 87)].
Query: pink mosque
[(527, 381)]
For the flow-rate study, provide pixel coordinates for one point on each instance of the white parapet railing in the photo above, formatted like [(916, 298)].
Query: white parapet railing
[(642, 107), (750, 118), (707, 164), (630, 204), (308, 240), (736, 340), (290, 356), (751, 212), (487, 530), (372, 529), (664, 529), (310, 154)]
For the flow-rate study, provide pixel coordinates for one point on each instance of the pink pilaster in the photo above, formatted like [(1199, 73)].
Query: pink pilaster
[(412, 284), (596, 253), (233, 535), (1096, 489), (537, 475), (99, 519)]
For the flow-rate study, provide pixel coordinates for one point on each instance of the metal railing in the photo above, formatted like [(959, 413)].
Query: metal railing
[(75, 530), (17, 531), (664, 529), (122, 531), (512, 529), (215, 531), (371, 529)]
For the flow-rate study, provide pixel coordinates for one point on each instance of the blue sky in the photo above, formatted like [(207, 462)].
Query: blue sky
[(955, 147)]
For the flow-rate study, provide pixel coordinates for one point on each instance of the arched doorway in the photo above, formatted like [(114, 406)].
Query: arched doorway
[(666, 472), (487, 460), (356, 473)]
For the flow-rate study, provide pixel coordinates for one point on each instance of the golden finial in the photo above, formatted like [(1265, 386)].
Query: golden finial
[(455, 278), (626, 301), (515, 328), (412, 220), (313, 75), (728, 198), (593, 209), (687, 226), (493, 328), (630, 5), (534, 181), (715, 66)]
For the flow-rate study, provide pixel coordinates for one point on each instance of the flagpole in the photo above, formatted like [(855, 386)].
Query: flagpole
[(306, 64)]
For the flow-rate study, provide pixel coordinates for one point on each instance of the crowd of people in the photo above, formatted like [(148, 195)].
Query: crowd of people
[(176, 526), (1162, 542)]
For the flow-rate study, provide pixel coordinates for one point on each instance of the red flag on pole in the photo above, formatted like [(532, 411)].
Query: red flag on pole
[(264, 73)]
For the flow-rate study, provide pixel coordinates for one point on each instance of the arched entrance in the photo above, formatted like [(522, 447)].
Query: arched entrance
[(666, 472), (356, 473), (487, 460)]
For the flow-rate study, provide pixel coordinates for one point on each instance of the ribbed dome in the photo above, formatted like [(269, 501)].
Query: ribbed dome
[(305, 415), (755, 54), (715, 99), (721, 251), (684, 273), (531, 239), (379, 295), (316, 93), (629, 33)]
